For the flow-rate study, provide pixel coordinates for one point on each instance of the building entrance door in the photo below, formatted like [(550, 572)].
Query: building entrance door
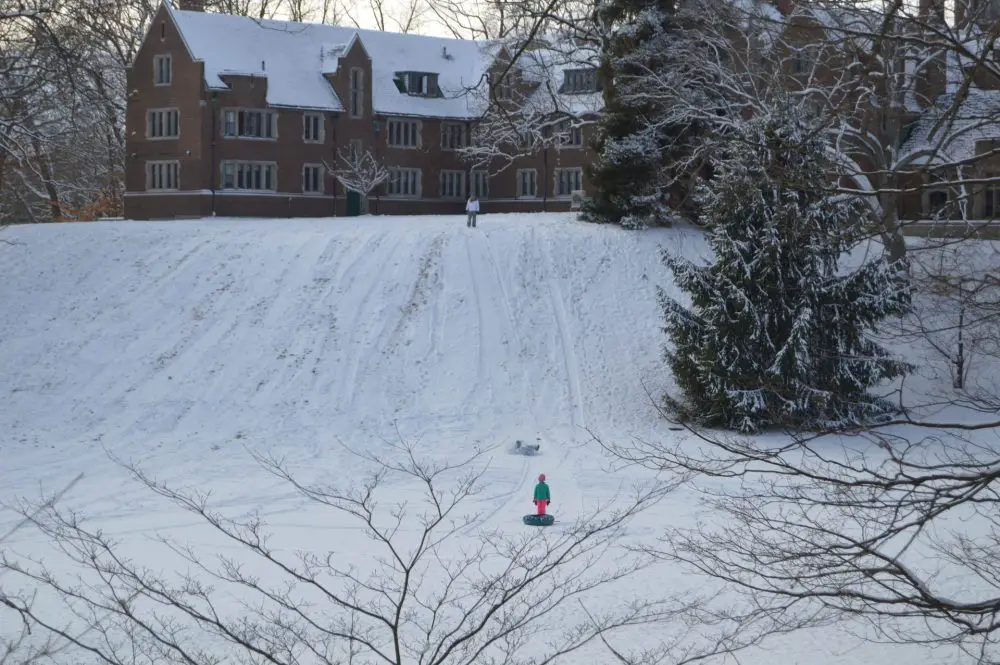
[(353, 203)]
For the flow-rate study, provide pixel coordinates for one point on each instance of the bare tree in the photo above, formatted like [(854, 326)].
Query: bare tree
[(525, 108), (897, 530), (422, 596), (360, 172), (407, 16)]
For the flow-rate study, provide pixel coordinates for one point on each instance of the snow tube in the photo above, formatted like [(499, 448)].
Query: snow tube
[(539, 520)]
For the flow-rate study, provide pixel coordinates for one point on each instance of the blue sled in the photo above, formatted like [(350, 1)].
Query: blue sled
[(539, 520)]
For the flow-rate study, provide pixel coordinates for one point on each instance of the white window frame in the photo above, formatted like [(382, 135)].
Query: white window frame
[(235, 112), (479, 183), (521, 173), (525, 139), (449, 130), (248, 164), (356, 94), (568, 135), (309, 121), (158, 69), (936, 184), (395, 130), (991, 201), (557, 181), (169, 173), (805, 58), (397, 176), (320, 179), (453, 184), (163, 117), (505, 86), (580, 81)]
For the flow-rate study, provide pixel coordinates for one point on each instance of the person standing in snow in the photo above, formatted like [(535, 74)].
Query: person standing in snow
[(542, 495), (471, 209)]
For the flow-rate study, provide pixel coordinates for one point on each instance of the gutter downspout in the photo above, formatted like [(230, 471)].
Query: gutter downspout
[(215, 167), (333, 136), (545, 179)]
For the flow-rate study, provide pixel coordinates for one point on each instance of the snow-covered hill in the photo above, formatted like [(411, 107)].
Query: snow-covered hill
[(180, 345)]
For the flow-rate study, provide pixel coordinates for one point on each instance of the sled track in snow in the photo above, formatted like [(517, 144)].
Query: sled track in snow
[(354, 348), (482, 370), (513, 333), (570, 361)]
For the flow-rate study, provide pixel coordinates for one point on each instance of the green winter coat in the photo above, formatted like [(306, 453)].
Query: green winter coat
[(542, 492)]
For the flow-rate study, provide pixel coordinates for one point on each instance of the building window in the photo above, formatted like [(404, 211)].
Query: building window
[(580, 81), (991, 195), (569, 135), (453, 184), (505, 86), (525, 139), (249, 124), (312, 127), (480, 184), (937, 201), (356, 97), (312, 178), (568, 181), (163, 175), (453, 135), (527, 183), (162, 124), (404, 182), (250, 176), (804, 58), (423, 84), (937, 196), (162, 70), (355, 148), (404, 134)]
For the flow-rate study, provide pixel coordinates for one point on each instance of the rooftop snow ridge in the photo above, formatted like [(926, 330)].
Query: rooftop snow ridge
[(295, 57)]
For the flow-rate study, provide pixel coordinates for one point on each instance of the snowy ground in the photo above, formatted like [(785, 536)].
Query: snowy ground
[(180, 345)]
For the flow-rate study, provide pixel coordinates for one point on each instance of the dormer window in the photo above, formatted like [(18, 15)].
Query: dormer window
[(421, 84), (576, 81)]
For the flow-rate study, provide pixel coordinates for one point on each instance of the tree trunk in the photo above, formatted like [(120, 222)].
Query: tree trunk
[(892, 232), (55, 208)]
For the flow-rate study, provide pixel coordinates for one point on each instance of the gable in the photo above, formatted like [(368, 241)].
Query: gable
[(163, 19), (294, 57)]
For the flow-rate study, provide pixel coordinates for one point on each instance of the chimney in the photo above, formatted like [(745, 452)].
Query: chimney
[(784, 6), (191, 5)]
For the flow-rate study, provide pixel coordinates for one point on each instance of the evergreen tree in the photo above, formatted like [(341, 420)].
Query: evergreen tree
[(632, 142), (777, 331)]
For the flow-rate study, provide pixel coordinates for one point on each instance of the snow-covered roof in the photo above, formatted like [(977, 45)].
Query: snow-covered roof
[(294, 56), (977, 119), (547, 68), (844, 26)]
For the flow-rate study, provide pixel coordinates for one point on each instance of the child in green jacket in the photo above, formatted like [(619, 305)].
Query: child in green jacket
[(542, 495)]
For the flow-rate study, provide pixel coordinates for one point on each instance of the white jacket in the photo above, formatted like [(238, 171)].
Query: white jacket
[(472, 205)]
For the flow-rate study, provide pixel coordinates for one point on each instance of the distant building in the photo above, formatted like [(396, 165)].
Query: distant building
[(232, 116)]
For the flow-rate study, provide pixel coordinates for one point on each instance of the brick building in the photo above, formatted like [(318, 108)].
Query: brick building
[(237, 117), (232, 116)]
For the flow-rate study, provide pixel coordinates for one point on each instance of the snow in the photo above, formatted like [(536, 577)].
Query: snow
[(547, 67), (973, 121), (294, 56), (181, 345)]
